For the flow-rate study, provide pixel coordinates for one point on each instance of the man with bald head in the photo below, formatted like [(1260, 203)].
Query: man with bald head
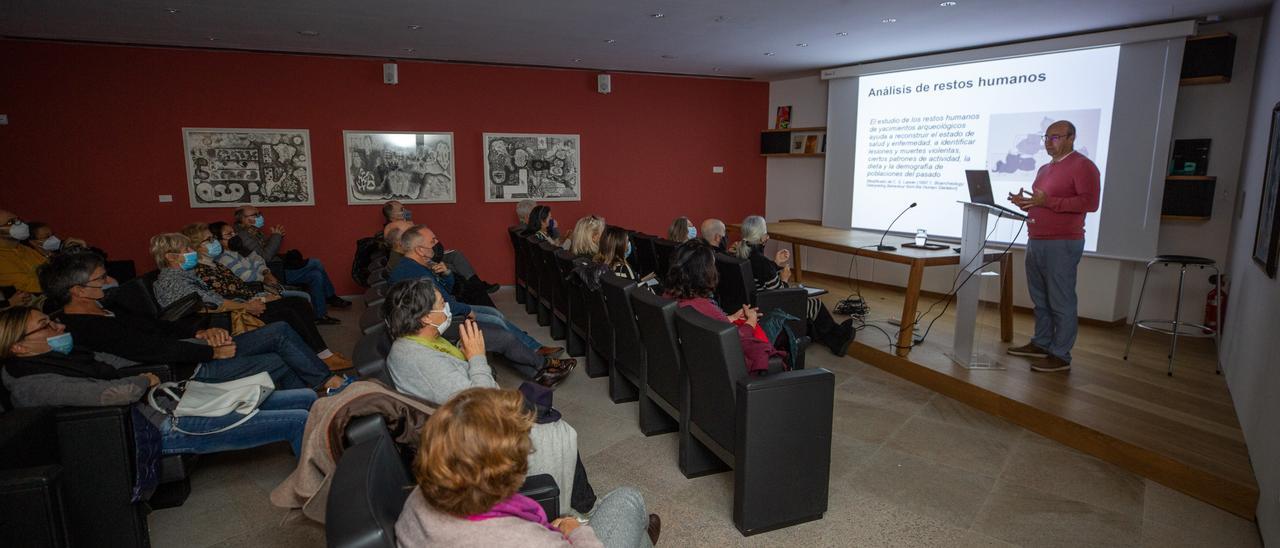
[(1065, 189), (391, 239), (454, 259), (713, 233)]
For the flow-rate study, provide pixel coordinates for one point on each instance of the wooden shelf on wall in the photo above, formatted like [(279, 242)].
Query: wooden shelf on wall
[(793, 142)]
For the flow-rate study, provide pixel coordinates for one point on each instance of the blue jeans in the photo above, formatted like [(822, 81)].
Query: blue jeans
[(1051, 278), (317, 281), (281, 417), (493, 316), (275, 348)]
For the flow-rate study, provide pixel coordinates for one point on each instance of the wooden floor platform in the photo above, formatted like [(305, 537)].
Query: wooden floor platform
[(1180, 431)]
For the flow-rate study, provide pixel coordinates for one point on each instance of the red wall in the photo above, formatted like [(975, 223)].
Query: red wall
[(94, 136)]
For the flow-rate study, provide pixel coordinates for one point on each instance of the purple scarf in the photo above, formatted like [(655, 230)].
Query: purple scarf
[(517, 506)]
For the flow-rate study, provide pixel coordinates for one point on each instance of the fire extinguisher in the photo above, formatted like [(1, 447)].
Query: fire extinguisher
[(1213, 301)]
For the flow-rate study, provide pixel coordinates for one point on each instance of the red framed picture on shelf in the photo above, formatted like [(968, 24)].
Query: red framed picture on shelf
[(784, 118)]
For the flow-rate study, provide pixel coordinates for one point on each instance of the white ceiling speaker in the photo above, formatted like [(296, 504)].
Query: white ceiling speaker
[(604, 83), (390, 74)]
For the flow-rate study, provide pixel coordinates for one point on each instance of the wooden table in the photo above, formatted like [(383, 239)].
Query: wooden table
[(863, 243)]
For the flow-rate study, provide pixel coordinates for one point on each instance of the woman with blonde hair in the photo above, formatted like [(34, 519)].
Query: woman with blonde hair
[(469, 467), (584, 241)]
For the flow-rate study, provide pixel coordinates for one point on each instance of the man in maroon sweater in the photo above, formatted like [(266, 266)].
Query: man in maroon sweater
[(1065, 190)]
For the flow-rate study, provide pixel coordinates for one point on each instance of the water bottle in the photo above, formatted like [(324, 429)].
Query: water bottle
[(921, 237)]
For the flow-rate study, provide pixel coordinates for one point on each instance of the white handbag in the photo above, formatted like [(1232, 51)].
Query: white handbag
[(205, 399)]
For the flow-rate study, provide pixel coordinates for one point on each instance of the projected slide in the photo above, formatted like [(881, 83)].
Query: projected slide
[(919, 130)]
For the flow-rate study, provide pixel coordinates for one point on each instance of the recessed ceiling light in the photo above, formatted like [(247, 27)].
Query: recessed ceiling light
[(715, 69), (658, 15), (769, 54), (212, 38), (577, 59), (415, 27), (609, 41), (947, 4), (308, 33), (173, 11), (720, 19), (842, 33), (408, 50), (888, 20), (802, 45), (668, 56)]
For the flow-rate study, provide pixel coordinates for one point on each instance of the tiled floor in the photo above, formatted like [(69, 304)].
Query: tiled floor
[(909, 468)]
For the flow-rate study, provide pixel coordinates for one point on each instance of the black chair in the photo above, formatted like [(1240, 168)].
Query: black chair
[(370, 355), (370, 318), (627, 376), (549, 280), (517, 250), (576, 326), (379, 274), (376, 293), (599, 333), (774, 430), (663, 249), (645, 255), (528, 245), (662, 397), (738, 287), (372, 482)]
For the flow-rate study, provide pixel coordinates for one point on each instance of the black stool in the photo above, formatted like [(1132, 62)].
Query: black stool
[(1171, 327)]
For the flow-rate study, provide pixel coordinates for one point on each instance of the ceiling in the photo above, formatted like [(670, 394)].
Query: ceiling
[(760, 39)]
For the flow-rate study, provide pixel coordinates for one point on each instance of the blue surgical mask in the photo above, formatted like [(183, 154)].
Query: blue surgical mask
[(693, 232), (189, 260), (408, 215), (52, 243), (60, 343), (258, 221), (628, 254), (213, 248)]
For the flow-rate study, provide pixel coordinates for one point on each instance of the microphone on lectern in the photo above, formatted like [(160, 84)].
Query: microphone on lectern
[(881, 246)]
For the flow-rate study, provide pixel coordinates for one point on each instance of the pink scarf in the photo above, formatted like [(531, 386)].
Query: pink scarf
[(517, 506)]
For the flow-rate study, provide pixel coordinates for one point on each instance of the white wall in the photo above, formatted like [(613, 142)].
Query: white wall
[(1250, 346), (1107, 288)]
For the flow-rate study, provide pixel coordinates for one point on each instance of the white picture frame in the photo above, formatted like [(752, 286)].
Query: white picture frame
[(413, 167), (229, 167), (539, 166)]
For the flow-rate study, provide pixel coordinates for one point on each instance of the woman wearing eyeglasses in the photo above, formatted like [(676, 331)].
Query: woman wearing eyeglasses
[(40, 366)]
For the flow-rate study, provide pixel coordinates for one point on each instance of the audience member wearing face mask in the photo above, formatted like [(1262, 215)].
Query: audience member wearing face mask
[(41, 367), (249, 224), (418, 263), (396, 213), (18, 262), (78, 283), (178, 261), (682, 230)]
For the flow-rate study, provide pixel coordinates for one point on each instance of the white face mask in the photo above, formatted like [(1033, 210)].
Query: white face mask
[(52, 243), (19, 231), (448, 318)]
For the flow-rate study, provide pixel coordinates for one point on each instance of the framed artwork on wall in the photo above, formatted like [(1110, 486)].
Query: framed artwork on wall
[(412, 167), (1267, 237), (540, 167), (229, 167)]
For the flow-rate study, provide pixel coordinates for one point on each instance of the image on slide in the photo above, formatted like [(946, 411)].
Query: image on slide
[(1015, 146)]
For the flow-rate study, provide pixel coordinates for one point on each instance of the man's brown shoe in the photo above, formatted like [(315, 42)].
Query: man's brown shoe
[(654, 529), (338, 362), (1050, 364), (1029, 350), (550, 351)]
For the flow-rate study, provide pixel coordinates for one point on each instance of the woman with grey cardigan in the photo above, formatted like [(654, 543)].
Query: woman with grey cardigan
[(424, 364)]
